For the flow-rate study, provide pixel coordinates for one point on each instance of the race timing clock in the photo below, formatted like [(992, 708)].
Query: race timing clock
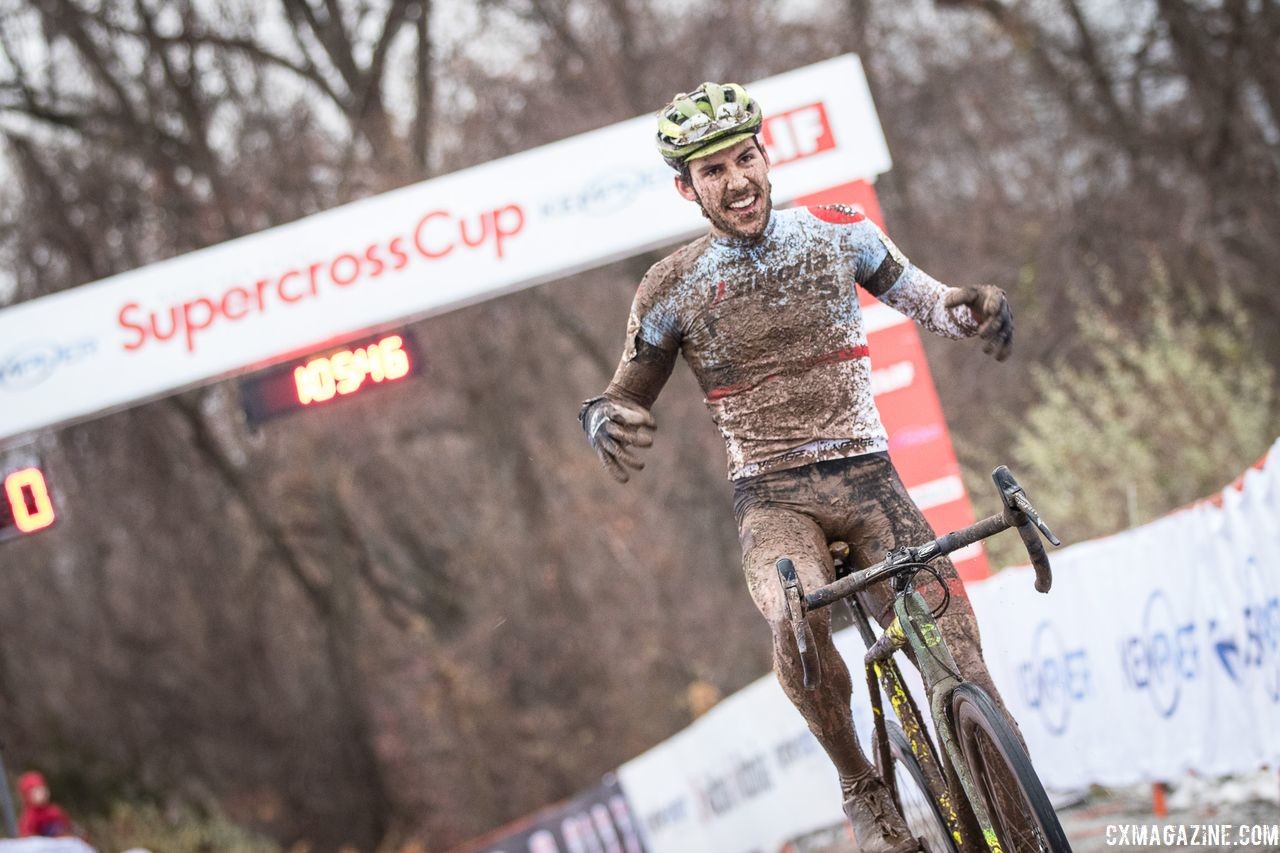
[(26, 505), (320, 379)]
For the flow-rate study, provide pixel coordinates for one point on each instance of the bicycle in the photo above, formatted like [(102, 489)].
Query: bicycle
[(1000, 795)]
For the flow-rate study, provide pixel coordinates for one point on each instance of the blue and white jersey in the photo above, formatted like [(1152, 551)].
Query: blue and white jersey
[(774, 334)]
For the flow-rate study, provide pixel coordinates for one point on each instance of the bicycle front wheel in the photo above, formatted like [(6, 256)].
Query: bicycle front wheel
[(916, 802), (1002, 773)]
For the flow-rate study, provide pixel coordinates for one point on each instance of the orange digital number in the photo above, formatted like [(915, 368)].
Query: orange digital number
[(39, 514), (395, 361), (342, 373), (350, 368), (315, 381)]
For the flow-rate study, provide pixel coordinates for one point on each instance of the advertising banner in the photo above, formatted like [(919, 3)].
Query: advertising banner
[(595, 821), (406, 254), (1158, 649)]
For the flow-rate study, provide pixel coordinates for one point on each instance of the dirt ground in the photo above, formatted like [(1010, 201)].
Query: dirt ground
[(1248, 801), (1191, 801)]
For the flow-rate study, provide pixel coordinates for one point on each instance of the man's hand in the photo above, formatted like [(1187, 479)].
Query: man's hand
[(614, 427), (990, 309)]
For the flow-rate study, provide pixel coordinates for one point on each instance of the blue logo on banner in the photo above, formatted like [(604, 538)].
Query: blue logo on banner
[(32, 364), (1053, 678), (1259, 647), (606, 194), (1163, 656)]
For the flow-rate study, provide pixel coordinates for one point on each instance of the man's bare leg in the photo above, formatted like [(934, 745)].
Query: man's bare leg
[(768, 534)]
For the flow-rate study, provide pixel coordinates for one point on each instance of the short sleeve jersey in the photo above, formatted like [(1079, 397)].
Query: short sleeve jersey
[(775, 337)]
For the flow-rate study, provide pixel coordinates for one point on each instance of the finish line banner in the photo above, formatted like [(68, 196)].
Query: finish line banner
[(403, 255), (1158, 649)]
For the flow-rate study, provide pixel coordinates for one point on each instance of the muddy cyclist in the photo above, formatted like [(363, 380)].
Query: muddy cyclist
[(765, 311)]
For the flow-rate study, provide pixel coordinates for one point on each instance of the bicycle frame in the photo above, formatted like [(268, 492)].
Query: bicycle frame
[(914, 626), (940, 675), (886, 676)]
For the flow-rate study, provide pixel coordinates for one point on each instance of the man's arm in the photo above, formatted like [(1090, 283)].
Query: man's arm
[(619, 420), (952, 312)]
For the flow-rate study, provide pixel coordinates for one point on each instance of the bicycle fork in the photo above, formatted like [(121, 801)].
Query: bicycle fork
[(881, 668), (941, 676)]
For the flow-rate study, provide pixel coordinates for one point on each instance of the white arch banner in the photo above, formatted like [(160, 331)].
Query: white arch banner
[(402, 255)]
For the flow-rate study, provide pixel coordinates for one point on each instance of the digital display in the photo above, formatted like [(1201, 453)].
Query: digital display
[(332, 375), (25, 505)]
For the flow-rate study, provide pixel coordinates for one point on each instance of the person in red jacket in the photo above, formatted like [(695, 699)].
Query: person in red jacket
[(40, 816)]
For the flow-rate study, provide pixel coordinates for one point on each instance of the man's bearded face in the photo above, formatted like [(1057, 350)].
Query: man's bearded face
[(732, 188)]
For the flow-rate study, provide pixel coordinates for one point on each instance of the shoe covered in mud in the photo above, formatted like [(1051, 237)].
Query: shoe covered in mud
[(877, 826)]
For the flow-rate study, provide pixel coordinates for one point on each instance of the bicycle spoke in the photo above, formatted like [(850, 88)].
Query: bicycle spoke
[(1004, 780), (918, 812), (1015, 822)]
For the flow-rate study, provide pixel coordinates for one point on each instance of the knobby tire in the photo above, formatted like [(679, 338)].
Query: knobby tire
[(1024, 818)]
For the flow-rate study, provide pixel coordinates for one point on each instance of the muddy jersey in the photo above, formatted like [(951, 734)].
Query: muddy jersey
[(774, 334)]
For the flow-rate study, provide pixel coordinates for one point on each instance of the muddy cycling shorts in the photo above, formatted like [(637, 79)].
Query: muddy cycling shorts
[(859, 500)]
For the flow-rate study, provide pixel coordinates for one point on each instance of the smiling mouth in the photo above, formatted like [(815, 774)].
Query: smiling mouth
[(744, 205)]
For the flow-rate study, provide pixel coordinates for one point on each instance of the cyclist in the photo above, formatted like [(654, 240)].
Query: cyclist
[(764, 310)]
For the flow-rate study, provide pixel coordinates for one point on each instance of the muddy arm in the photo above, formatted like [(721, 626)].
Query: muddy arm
[(640, 378), (886, 274)]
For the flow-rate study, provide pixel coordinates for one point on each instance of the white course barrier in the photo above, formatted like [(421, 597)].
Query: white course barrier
[(1157, 651)]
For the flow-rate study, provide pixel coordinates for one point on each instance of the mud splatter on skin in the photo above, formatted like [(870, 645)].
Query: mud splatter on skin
[(721, 219), (794, 513), (774, 334)]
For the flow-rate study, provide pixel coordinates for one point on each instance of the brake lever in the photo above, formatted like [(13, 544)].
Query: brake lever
[(806, 645), (1019, 513), (1016, 502), (1024, 505)]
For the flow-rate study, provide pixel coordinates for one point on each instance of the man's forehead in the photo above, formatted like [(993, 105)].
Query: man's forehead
[(730, 153)]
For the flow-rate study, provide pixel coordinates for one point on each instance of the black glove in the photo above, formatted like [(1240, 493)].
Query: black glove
[(990, 309), (614, 427)]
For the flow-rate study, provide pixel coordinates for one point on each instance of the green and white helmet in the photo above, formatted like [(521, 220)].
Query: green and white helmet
[(711, 118)]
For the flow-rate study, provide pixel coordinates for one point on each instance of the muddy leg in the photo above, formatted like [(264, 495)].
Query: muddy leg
[(768, 534)]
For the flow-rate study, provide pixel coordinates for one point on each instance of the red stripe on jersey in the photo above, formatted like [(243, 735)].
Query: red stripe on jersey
[(845, 354), (836, 214)]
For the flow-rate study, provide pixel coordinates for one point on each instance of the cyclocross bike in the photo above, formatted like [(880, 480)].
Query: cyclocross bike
[(1003, 802)]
